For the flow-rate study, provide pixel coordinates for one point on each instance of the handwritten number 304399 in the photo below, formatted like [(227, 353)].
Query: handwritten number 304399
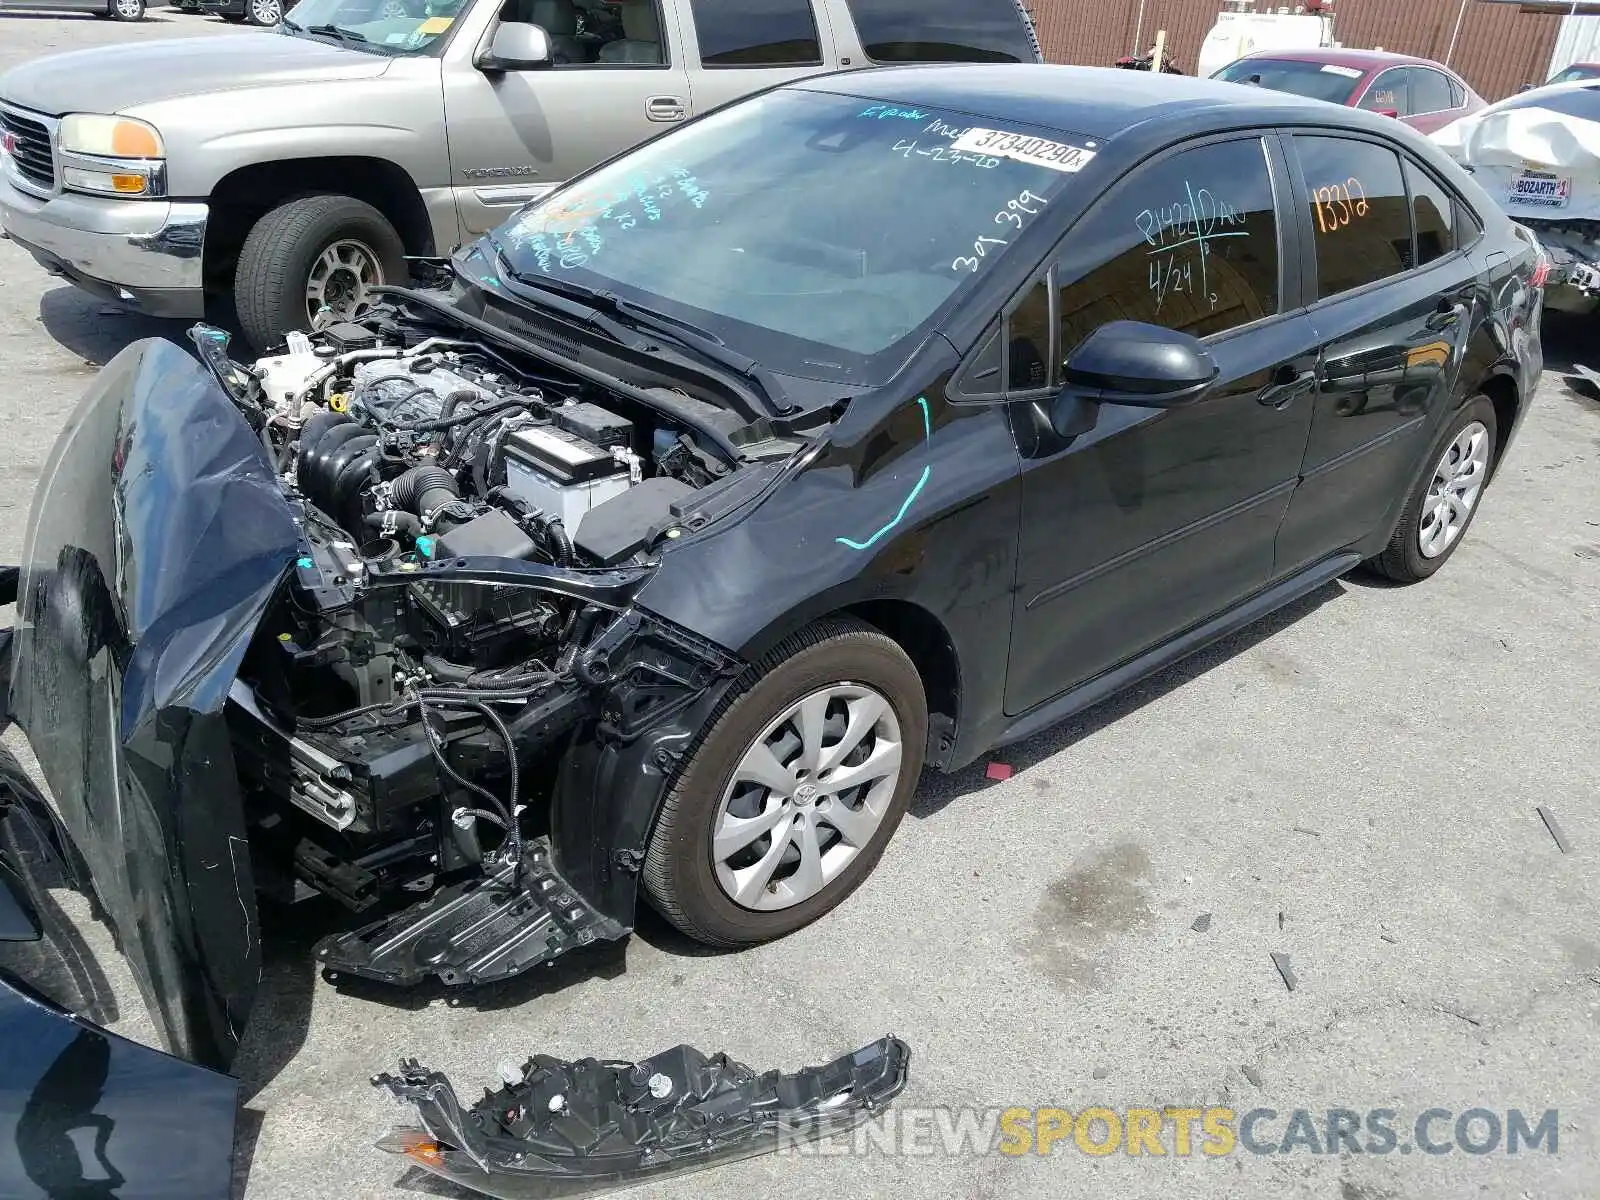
[(1011, 217)]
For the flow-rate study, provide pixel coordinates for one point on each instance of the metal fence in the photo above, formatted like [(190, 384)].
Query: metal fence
[(1497, 48)]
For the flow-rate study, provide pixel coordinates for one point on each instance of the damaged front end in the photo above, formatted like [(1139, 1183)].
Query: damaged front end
[(316, 631), (555, 1128)]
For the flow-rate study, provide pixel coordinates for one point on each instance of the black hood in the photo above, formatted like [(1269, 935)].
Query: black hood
[(157, 539)]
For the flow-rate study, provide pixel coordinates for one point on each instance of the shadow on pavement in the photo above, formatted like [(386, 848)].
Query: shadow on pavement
[(95, 330)]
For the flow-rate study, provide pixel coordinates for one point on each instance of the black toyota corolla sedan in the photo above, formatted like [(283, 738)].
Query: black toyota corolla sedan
[(657, 544)]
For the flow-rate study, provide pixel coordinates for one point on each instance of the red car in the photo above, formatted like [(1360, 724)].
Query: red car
[(1419, 91)]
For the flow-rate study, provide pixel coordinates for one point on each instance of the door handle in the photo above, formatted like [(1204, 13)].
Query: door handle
[(665, 108), (1287, 385)]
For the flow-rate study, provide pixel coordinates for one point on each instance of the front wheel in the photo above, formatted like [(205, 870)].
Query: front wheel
[(126, 10), (311, 262), (793, 791), (1445, 499)]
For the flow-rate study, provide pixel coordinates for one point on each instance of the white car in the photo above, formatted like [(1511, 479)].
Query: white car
[(1538, 154)]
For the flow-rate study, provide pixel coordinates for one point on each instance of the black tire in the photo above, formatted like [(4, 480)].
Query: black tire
[(679, 875), (275, 263), (113, 12), (1402, 560), (263, 20)]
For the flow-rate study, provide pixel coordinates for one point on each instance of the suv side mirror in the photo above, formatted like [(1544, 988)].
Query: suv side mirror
[(517, 46), (1129, 362)]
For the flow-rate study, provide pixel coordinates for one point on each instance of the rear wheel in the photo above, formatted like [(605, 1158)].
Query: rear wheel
[(311, 262), (126, 10), (263, 12), (1445, 499), (791, 795)]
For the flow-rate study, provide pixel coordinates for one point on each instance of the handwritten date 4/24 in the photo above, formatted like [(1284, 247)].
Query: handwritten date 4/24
[(1012, 218)]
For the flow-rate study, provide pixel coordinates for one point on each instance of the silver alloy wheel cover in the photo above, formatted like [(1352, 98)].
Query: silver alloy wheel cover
[(266, 12), (1458, 480), (802, 807), (129, 9), (354, 268)]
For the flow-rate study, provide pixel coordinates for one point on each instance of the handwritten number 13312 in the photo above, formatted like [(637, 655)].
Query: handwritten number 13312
[(1335, 205)]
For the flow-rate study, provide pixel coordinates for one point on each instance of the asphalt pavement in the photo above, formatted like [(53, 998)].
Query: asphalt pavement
[(1352, 784)]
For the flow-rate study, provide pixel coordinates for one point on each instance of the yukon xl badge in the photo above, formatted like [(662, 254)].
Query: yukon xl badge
[(497, 172)]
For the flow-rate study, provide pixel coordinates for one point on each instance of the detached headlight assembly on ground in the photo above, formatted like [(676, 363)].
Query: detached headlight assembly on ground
[(111, 156)]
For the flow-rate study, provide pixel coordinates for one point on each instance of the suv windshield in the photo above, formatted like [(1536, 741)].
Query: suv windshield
[(1319, 81), (390, 27), (822, 235)]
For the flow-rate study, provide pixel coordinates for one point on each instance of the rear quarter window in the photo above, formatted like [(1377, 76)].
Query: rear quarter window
[(943, 30), (756, 33)]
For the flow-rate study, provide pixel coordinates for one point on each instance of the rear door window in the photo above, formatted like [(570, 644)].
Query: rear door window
[(1430, 91), (756, 33), (1360, 220), (1388, 94), (942, 30), (1189, 242)]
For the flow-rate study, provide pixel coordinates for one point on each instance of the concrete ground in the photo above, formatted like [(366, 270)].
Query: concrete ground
[(1352, 784)]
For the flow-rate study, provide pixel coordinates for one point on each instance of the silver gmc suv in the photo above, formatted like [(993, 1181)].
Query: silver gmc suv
[(294, 169)]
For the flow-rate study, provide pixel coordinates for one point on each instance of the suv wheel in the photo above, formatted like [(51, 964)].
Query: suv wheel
[(263, 12), (793, 790), (311, 262), (126, 10), (1445, 499)]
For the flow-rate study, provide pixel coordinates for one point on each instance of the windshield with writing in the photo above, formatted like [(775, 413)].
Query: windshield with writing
[(822, 235), (1317, 81), (391, 27)]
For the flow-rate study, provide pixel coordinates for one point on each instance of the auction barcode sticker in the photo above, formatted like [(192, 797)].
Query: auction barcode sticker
[(1022, 147)]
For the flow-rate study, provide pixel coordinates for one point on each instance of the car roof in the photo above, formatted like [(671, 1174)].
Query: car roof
[(1098, 101), (1367, 60)]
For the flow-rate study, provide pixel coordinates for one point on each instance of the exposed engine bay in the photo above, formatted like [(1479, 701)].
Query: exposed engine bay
[(474, 529)]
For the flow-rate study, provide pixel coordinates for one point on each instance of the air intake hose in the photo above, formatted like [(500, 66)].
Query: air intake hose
[(424, 489)]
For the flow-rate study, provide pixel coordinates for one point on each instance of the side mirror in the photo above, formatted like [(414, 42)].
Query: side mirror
[(517, 46), (1129, 362)]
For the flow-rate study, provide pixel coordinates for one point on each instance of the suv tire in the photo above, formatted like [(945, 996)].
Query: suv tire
[(275, 272)]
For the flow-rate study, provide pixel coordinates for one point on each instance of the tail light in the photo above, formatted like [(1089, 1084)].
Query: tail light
[(1541, 273)]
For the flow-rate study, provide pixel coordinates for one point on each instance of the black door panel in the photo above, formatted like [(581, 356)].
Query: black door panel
[(1392, 345), (1156, 519)]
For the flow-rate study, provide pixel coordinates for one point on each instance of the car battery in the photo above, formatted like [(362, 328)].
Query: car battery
[(561, 474)]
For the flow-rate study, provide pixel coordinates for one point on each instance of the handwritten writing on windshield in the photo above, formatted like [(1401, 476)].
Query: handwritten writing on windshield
[(1011, 219), (1337, 204), (906, 147), (569, 234), (1182, 237), (888, 112)]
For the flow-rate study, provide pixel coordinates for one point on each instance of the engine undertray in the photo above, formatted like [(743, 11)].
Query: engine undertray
[(484, 929)]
